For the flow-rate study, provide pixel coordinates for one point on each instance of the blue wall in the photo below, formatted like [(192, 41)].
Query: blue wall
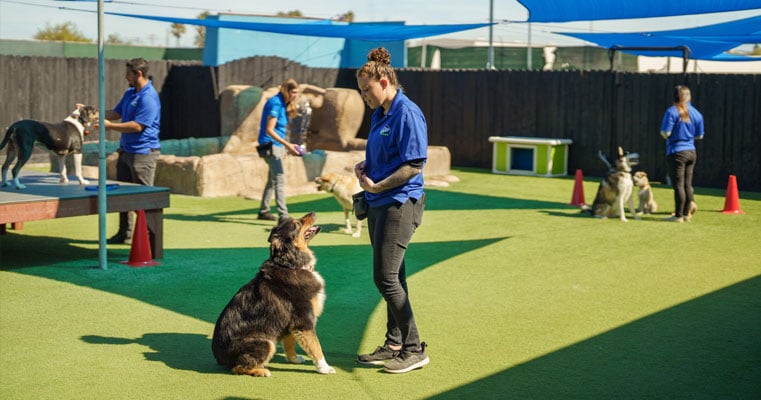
[(223, 45)]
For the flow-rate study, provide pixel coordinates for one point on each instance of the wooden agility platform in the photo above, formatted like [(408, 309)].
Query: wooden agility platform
[(46, 198)]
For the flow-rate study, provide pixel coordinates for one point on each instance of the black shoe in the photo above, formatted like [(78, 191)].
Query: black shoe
[(379, 356), (407, 361), (267, 216), (119, 238)]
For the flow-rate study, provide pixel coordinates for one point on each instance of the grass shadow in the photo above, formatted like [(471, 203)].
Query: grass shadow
[(179, 287), (182, 351), (26, 251), (707, 348)]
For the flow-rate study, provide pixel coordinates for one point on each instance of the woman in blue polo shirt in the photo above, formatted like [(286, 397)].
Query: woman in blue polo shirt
[(273, 147), (392, 178), (682, 125)]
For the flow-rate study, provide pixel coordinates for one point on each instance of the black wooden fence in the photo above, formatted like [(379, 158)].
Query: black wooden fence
[(598, 110)]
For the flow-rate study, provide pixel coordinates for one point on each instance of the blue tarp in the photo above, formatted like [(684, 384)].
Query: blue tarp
[(590, 10), (357, 31), (705, 42)]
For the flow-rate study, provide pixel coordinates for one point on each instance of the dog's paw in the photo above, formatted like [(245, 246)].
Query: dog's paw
[(64, 179), (84, 182), (323, 367), (297, 359), (347, 231), (355, 235)]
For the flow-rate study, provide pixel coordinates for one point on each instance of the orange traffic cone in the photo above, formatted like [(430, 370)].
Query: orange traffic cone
[(578, 190), (140, 252), (732, 201)]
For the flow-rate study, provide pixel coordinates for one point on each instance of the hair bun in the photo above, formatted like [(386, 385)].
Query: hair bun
[(379, 55)]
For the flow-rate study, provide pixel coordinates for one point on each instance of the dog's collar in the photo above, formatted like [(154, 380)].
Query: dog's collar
[(77, 124)]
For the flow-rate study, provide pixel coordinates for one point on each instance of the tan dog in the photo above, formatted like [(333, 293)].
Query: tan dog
[(342, 187), (647, 204)]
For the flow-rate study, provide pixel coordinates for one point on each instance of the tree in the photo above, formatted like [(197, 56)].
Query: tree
[(114, 38), (66, 32), (201, 31), (177, 31), (346, 17), (294, 13)]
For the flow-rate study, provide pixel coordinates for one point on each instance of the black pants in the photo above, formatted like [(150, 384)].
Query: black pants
[(391, 228), (135, 168), (681, 167)]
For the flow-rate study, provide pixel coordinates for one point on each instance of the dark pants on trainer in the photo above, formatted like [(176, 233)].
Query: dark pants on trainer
[(391, 228), (681, 167), (135, 168)]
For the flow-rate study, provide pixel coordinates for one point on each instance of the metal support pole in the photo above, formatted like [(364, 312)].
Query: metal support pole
[(102, 204), (528, 48), (490, 54)]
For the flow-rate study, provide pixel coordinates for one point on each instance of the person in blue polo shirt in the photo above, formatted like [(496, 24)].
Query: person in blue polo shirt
[(140, 113), (682, 125), (273, 147), (392, 179)]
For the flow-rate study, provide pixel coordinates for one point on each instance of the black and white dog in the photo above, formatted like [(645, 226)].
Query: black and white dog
[(61, 138), (616, 188)]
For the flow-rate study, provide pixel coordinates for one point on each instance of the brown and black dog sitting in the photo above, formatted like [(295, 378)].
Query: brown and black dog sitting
[(62, 138), (281, 303), (615, 189)]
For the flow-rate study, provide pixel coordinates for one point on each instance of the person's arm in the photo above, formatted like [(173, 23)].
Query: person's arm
[(667, 125), (270, 129), (398, 178), (123, 127)]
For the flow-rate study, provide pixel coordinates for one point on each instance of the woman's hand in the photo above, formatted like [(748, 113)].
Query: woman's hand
[(293, 149), (359, 169), (367, 184)]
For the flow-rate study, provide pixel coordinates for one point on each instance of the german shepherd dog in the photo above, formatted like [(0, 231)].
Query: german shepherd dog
[(616, 189), (342, 187), (281, 302), (61, 138)]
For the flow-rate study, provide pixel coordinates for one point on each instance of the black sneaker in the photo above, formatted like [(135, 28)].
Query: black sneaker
[(407, 361), (379, 356), (267, 216), (119, 238)]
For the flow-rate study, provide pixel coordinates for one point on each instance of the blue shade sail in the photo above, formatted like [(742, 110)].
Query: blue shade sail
[(705, 42), (590, 10), (368, 31)]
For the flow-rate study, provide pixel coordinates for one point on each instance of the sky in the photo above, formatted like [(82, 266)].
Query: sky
[(22, 19)]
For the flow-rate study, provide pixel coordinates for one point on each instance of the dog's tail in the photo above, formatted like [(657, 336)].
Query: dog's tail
[(7, 137), (587, 209)]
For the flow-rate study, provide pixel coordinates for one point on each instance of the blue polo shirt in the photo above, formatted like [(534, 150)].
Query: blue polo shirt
[(274, 107), (683, 134), (143, 107), (395, 138)]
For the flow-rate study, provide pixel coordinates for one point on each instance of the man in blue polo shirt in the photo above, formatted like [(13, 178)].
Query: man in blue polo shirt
[(140, 113)]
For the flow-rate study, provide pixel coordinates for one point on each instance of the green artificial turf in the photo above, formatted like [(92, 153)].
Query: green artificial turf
[(517, 294)]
